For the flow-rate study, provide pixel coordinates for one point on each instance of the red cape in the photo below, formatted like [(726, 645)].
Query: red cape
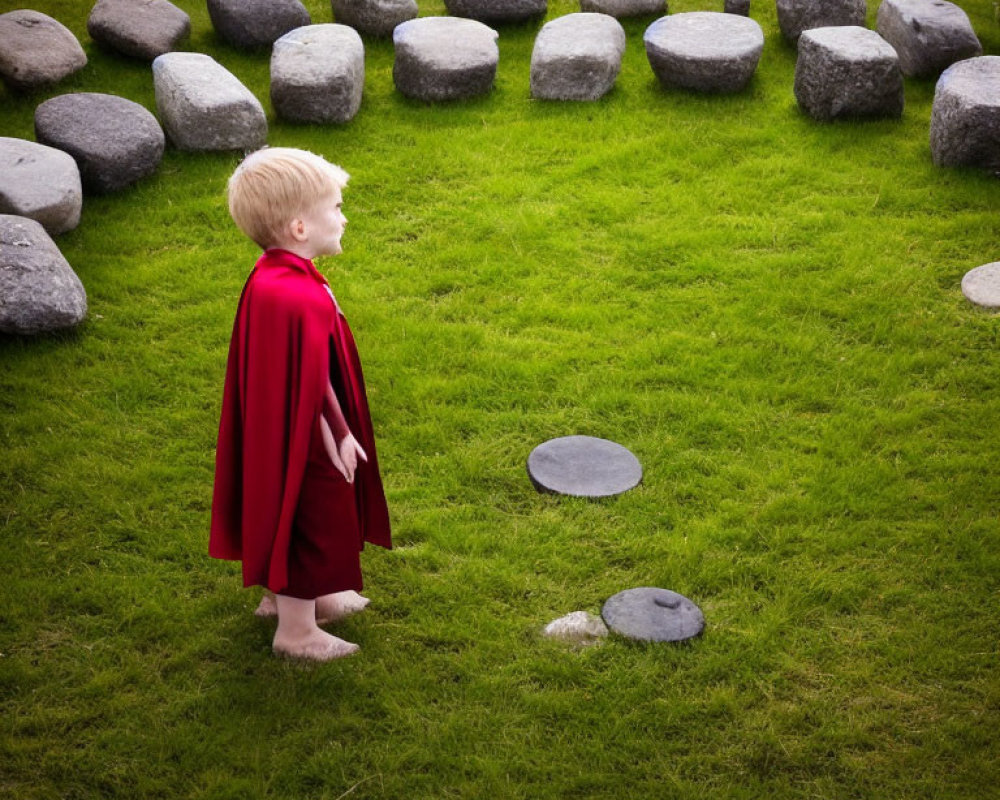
[(288, 340)]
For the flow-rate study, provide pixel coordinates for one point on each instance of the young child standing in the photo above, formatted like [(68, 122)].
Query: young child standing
[(297, 486)]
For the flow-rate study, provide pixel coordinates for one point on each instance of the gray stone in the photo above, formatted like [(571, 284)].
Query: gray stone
[(374, 17), (741, 7), (318, 73), (444, 58), (577, 57), (965, 116), (795, 16), (41, 183), (497, 11), (847, 71), (624, 8), (256, 23), (706, 51), (653, 615), (38, 289), (583, 466), (578, 626), (928, 35), (115, 142), (203, 106), (982, 286), (138, 28), (36, 50)]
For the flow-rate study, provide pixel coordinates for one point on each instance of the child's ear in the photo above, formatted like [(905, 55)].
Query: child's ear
[(297, 229)]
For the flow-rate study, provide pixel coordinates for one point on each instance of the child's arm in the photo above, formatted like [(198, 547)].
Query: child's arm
[(341, 446)]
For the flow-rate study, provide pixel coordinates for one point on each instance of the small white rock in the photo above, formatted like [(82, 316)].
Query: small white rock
[(579, 626)]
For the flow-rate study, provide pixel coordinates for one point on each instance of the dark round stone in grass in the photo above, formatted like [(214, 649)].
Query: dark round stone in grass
[(583, 466), (982, 286), (653, 615)]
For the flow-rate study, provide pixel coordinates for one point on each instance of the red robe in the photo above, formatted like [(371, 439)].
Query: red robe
[(289, 339)]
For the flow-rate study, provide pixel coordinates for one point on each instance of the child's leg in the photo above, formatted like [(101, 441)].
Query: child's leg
[(329, 608), (299, 636)]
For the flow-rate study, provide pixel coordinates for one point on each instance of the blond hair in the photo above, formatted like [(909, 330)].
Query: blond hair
[(271, 186)]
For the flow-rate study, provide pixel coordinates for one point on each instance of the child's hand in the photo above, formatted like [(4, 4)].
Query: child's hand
[(350, 452), (330, 445)]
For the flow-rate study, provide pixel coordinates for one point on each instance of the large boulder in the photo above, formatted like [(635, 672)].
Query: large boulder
[(928, 35), (115, 142), (577, 57), (256, 23), (374, 17), (847, 71), (38, 289), (795, 16), (138, 28), (203, 106), (706, 51), (965, 117), (41, 183), (36, 50), (318, 73), (624, 8), (497, 11), (444, 58)]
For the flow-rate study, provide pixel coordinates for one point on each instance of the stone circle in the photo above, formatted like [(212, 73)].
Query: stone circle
[(981, 286), (497, 11), (374, 17), (115, 142), (318, 73), (653, 615), (577, 626), (624, 8), (583, 466), (847, 71), (41, 183), (39, 291), (577, 57), (795, 16), (741, 7), (138, 28), (36, 50), (928, 35), (203, 106), (706, 51), (256, 23), (444, 58), (965, 116)]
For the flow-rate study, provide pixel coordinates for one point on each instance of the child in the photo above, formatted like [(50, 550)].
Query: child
[(297, 486)]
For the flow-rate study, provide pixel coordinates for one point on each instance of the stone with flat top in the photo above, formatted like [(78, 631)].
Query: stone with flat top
[(653, 615), (981, 286), (583, 466)]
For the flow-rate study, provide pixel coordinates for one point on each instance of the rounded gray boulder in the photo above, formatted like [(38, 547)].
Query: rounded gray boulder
[(981, 286), (965, 116), (577, 57), (795, 16), (374, 17), (583, 466), (249, 24), (115, 142), (444, 58), (650, 614), (36, 50), (928, 35), (138, 28), (41, 183), (706, 51), (497, 11), (39, 291), (203, 106), (318, 73), (624, 8), (847, 71)]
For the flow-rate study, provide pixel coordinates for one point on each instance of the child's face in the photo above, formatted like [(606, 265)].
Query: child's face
[(324, 225)]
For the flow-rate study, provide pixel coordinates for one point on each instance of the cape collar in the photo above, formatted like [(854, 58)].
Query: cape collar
[(276, 257)]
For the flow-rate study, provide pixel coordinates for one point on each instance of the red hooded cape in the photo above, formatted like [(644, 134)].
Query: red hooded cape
[(289, 339)]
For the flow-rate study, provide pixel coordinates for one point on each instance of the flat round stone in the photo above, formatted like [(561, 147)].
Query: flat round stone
[(982, 285), (583, 466), (653, 615)]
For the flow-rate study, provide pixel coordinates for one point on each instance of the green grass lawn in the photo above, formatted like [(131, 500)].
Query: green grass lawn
[(764, 309)]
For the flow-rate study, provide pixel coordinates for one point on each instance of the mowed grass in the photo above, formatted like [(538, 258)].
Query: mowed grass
[(764, 309)]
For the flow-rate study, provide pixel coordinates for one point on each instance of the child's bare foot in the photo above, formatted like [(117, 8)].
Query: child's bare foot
[(317, 646), (268, 607), (334, 607)]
